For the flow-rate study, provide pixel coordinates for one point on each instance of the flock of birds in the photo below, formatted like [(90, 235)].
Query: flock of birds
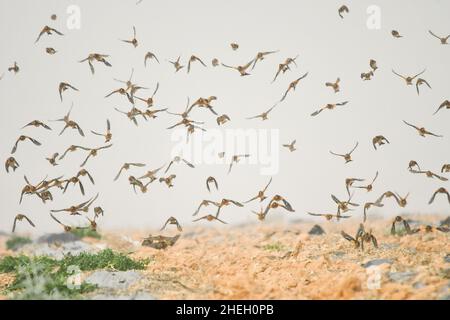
[(133, 93)]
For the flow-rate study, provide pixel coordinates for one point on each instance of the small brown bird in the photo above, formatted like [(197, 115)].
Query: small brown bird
[(151, 174), (396, 34), (439, 191), (379, 141), (422, 131), (445, 104), (210, 218), (173, 221), (369, 187), (236, 159), (37, 124), (93, 153), (70, 123), (211, 180), (261, 194), (48, 31), (334, 85), (368, 205), (291, 146), (177, 65), (52, 159), (215, 62), (367, 75), (419, 82), (133, 41), (412, 165), (168, 180), (23, 138), (341, 10), (149, 55), (343, 206), (150, 101), (445, 168), (223, 119), (53, 17), (126, 166), (15, 68), (108, 134), (72, 148), (193, 59), (408, 79), (66, 227), (349, 183), (74, 210), (260, 56), (20, 217), (398, 219), (293, 85), (264, 115), (241, 69), (430, 174), (373, 65), (348, 156), (205, 203), (11, 163), (96, 57), (234, 46), (442, 39), (178, 159), (329, 106), (328, 216), (63, 86), (159, 242), (226, 203), (50, 50)]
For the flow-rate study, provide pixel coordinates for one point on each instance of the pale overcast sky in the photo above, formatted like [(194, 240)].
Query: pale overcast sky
[(328, 47)]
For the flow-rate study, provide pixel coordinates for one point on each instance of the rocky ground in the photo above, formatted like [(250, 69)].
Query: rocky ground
[(266, 261)]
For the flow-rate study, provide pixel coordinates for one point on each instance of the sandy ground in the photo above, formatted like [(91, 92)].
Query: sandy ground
[(282, 261)]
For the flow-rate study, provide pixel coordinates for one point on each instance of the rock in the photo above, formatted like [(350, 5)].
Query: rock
[(58, 238), (57, 252), (113, 279), (316, 230), (401, 276), (377, 262), (389, 246), (447, 258), (135, 296), (446, 222), (419, 285)]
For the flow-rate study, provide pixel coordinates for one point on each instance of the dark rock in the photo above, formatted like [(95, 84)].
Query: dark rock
[(447, 258), (58, 238), (316, 230), (377, 262), (401, 276)]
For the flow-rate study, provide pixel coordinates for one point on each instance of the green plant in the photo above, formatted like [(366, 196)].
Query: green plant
[(276, 246), (16, 242), (46, 278), (86, 233)]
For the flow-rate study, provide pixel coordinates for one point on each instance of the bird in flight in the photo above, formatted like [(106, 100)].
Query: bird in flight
[(241, 69), (422, 131), (63, 86), (444, 40), (293, 85), (107, 135), (347, 156), (264, 115), (132, 41), (341, 10), (48, 31), (328, 106), (291, 146), (408, 79), (21, 217), (334, 85)]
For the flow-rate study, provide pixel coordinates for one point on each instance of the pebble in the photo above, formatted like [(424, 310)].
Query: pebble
[(401, 276), (377, 262)]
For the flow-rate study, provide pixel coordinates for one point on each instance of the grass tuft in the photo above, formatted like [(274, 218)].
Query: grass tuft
[(14, 243)]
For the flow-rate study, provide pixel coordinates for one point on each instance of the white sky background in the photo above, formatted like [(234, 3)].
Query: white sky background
[(328, 48)]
